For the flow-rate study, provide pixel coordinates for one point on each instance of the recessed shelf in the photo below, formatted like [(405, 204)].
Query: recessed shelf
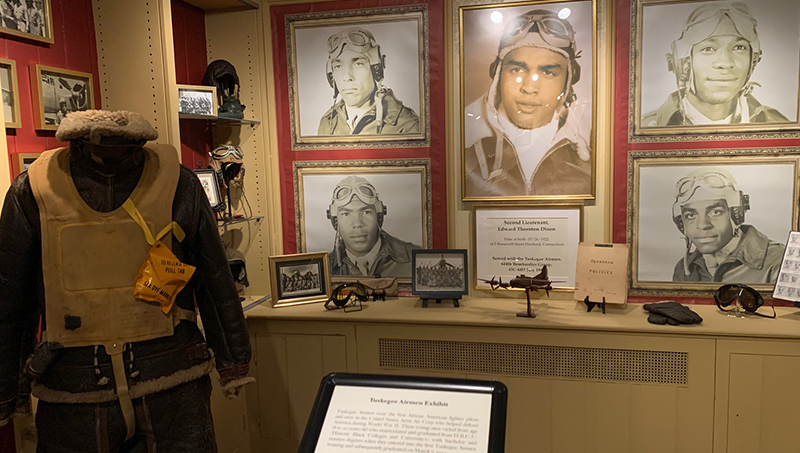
[(217, 119), (223, 5), (223, 223)]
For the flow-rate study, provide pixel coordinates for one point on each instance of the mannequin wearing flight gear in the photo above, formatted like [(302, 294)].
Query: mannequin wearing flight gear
[(114, 373)]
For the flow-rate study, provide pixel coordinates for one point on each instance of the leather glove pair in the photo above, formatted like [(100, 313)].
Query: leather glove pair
[(671, 313)]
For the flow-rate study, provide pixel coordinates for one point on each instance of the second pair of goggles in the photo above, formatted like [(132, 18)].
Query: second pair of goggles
[(224, 151), (749, 299), (345, 293), (552, 30), (358, 40)]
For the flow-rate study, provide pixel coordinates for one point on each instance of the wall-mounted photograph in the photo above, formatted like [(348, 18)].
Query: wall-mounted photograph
[(369, 215), (30, 19), (527, 98), (197, 100), (357, 77), (8, 81), (697, 219), (210, 182), (723, 67), (299, 279), (58, 92)]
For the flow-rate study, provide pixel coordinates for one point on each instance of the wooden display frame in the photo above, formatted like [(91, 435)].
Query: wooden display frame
[(39, 114)]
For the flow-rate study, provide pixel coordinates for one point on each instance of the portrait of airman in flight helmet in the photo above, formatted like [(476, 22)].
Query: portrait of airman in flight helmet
[(713, 60), (362, 103), (361, 246), (709, 211), (529, 133)]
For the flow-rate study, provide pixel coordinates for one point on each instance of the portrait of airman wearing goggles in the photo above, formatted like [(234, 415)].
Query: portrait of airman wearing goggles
[(529, 133), (728, 62)]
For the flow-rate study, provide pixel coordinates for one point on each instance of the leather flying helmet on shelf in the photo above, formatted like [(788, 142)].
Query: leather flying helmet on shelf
[(222, 74)]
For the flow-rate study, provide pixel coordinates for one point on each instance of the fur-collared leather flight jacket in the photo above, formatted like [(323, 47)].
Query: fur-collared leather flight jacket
[(151, 365)]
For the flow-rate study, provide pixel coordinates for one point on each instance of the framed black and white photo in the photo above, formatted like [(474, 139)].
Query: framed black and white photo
[(30, 19), (58, 92), (442, 272), (728, 68), (515, 240), (700, 218), (369, 215), (8, 81), (299, 279), (24, 160), (197, 100), (358, 77), (527, 97), (210, 183)]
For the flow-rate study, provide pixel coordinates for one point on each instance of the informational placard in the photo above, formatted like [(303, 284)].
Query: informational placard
[(788, 285), (602, 272), (405, 420), (513, 242)]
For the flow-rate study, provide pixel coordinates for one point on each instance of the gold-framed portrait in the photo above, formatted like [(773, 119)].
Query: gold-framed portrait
[(714, 70), (701, 218), (30, 19), (58, 92), (359, 77), (527, 93), (8, 81), (197, 100), (369, 215), (519, 239), (299, 279)]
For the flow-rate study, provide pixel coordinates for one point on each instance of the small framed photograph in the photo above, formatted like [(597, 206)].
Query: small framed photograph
[(208, 178), (197, 100), (58, 92), (31, 19), (713, 70), (442, 272), (515, 240), (701, 218), (369, 214), (359, 78), (24, 160), (8, 81), (299, 279)]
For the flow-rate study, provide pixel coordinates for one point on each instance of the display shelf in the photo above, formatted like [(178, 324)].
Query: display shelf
[(218, 119), (224, 223), (223, 5)]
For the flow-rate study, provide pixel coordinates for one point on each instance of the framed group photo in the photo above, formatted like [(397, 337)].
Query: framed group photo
[(197, 100), (58, 92), (299, 279), (440, 272), (527, 97), (30, 19), (359, 77), (8, 81), (515, 240), (369, 215), (731, 69), (701, 218)]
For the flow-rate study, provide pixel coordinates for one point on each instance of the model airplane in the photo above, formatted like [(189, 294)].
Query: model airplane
[(535, 283)]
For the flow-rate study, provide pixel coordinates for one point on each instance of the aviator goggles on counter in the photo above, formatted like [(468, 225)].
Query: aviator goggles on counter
[(347, 296), (749, 299)]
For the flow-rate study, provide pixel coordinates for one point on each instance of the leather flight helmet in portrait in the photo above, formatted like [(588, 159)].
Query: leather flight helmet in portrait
[(710, 184), (358, 187), (357, 40)]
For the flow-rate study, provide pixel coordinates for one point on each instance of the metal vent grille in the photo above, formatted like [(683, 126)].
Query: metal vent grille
[(618, 365)]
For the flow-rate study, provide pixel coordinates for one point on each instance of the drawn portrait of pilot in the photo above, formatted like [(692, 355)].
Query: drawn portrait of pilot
[(712, 64), (363, 80), (527, 98), (699, 222), (368, 221)]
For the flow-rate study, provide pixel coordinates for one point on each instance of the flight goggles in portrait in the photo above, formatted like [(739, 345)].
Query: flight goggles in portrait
[(359, 40), (553, 31), (354, 186), (705, 19), (347, 296), (711, 185), (748, 298)]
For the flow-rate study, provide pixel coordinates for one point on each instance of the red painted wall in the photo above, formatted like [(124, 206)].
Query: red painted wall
[(189, 34), (74, 48)]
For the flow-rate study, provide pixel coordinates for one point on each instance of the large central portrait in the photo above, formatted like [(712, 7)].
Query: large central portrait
[(527, 94), (358, 77)]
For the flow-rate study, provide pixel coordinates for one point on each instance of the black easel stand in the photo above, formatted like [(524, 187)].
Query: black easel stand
[(439, 298), (590, 305)]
